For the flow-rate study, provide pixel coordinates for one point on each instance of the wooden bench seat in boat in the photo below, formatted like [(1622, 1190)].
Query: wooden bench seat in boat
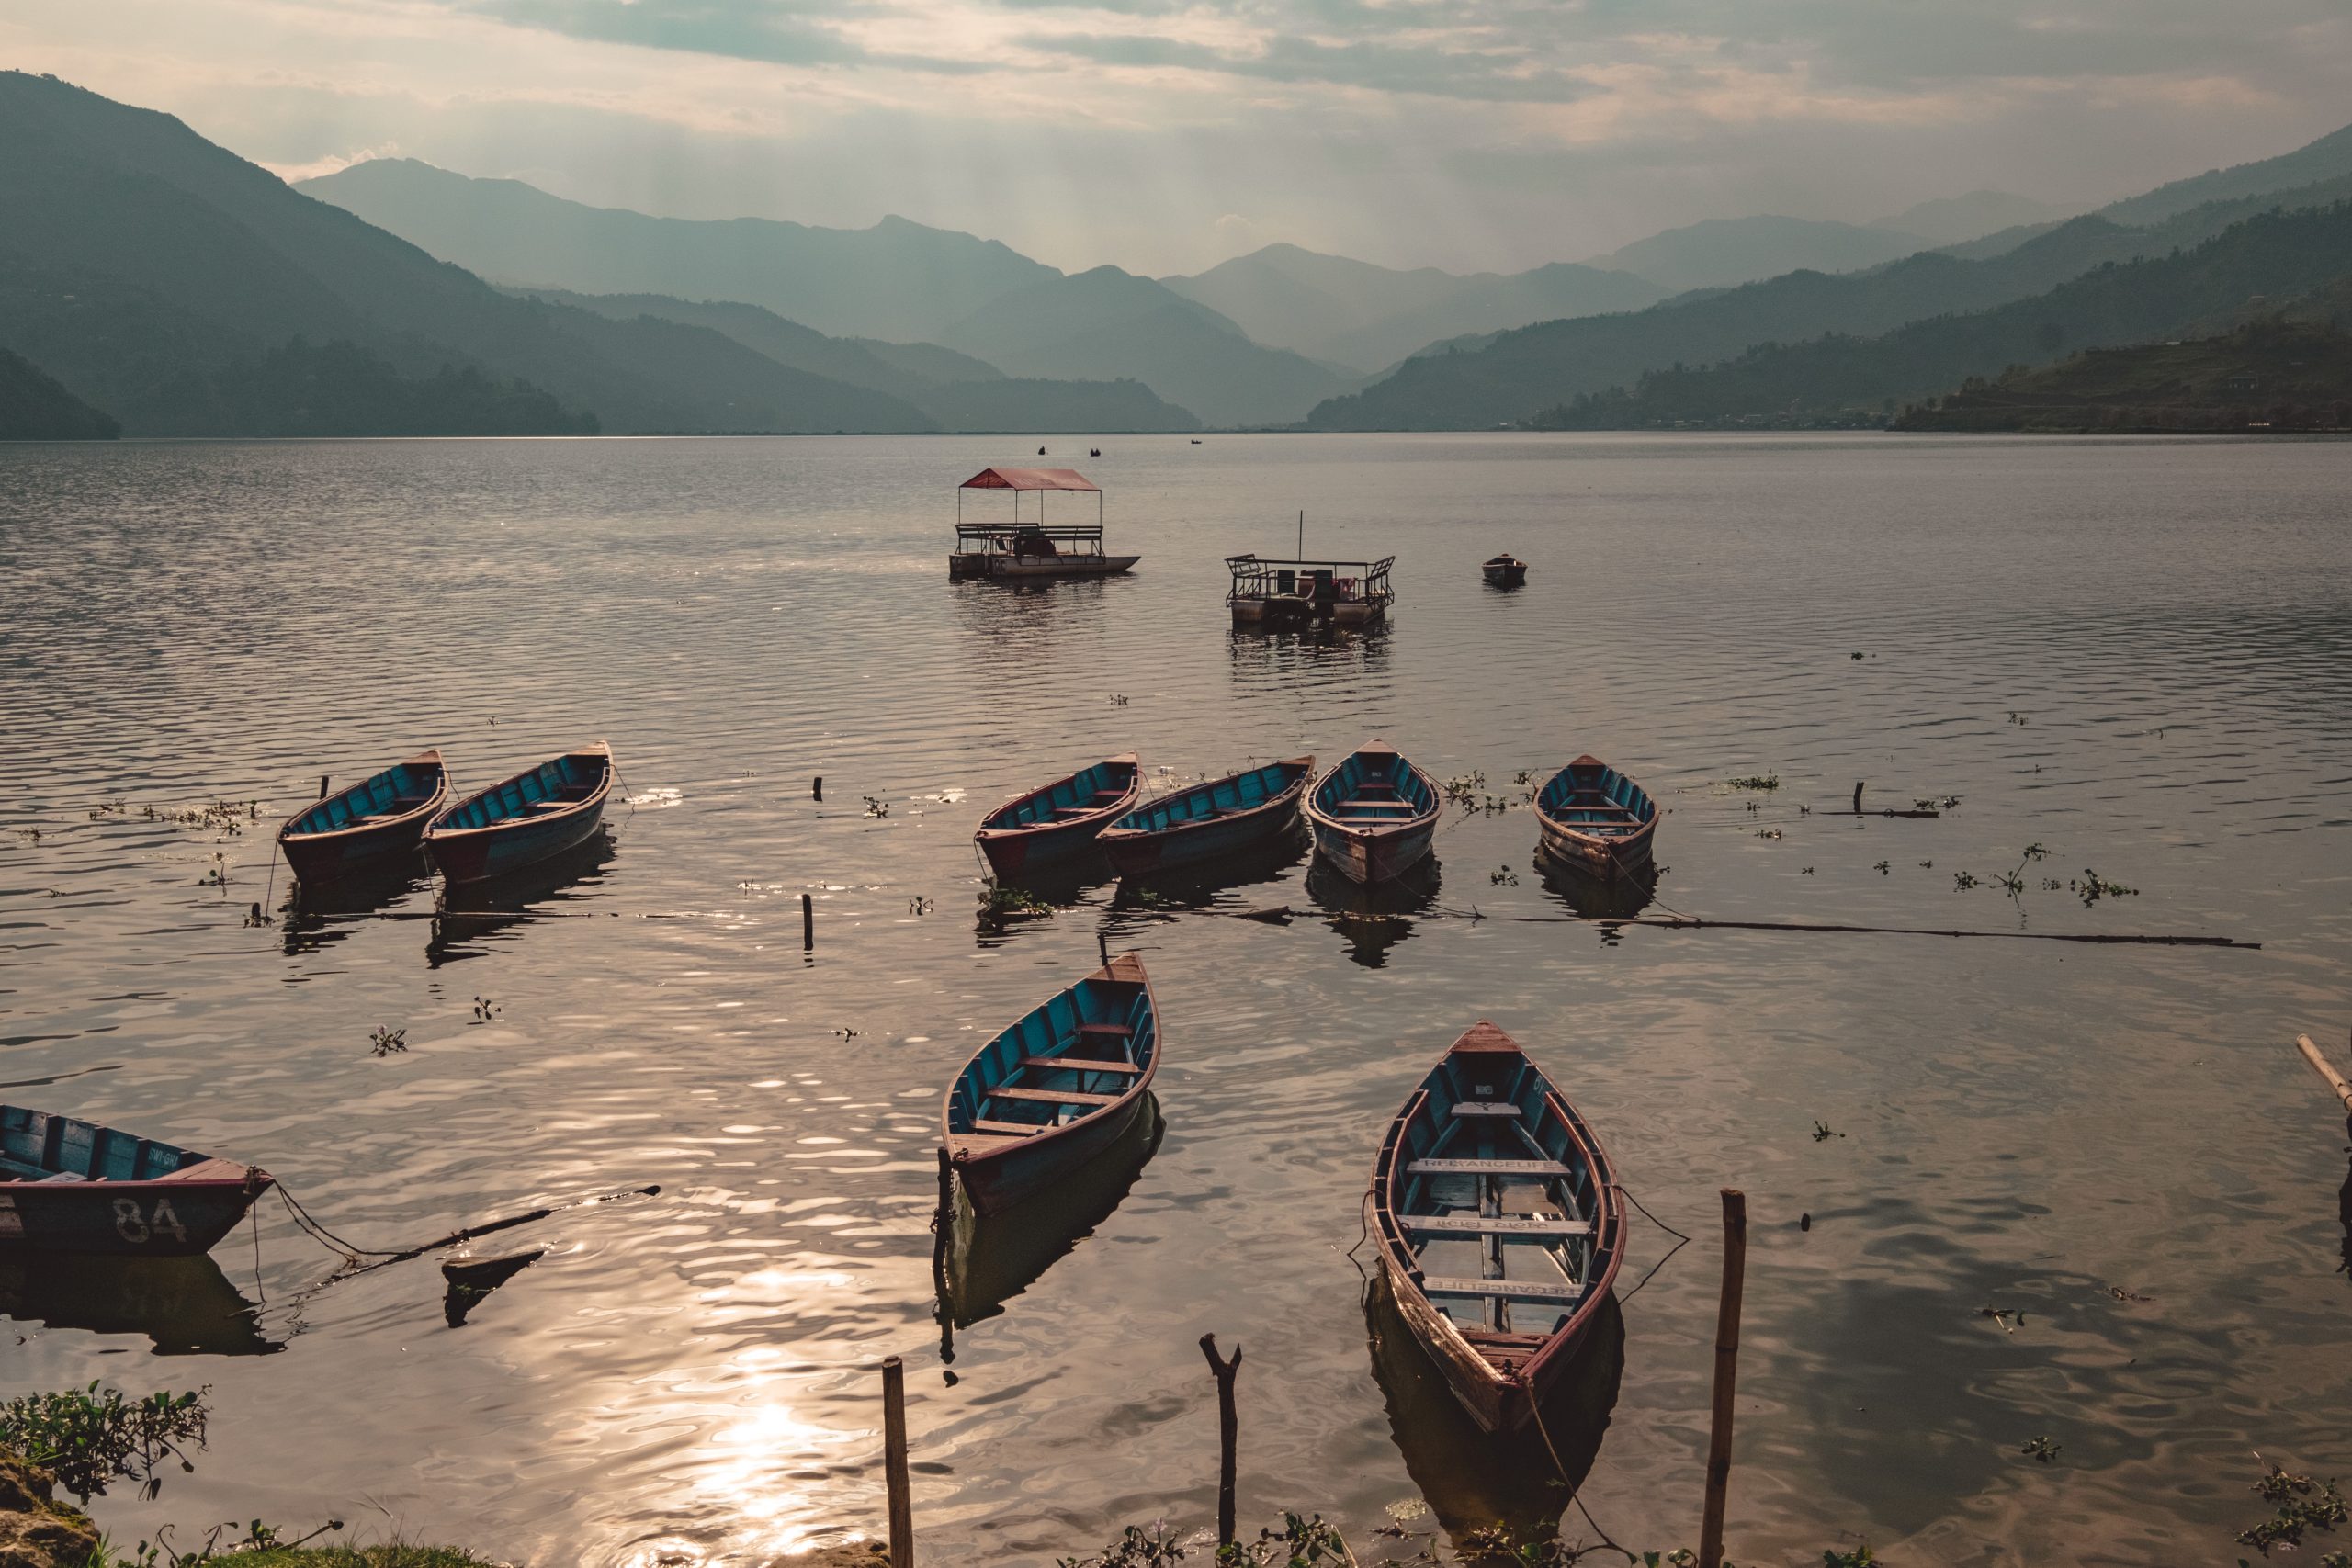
[(1479, 1225), (1478, 1108), (1103, 1031), (1053, 1096), (1487, 1167), (1079, 1065), (1010, 1129), (1530, 1290)]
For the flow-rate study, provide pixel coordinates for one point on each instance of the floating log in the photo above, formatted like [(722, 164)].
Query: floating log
[(2326, 1069)]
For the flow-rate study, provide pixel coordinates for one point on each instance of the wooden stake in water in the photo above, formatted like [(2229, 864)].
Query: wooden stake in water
[(816, 787), (1711, 1527), (1228, 1431), (894, 1463), (808, 924)]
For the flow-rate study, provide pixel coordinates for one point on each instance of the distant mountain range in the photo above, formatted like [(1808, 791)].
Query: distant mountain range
[(1721, 252), (34, 406)]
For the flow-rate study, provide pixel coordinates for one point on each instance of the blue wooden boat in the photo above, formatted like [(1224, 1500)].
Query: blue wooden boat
[(1595, 819), (515, 822), (1060, 819), (1501, 1225), (1374, 816), (69, 1186), (1210, 819), (365, 827), (1054, 1089)]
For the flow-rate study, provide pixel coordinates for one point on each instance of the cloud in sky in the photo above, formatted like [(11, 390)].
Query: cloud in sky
[(1464, 133)]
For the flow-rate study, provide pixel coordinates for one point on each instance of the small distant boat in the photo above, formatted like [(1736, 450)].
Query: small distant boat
[(69, 1186), (1209, 819), (1060, 818), (1505, 570), (516, 823), (381, 816), (1595, 819), (1055, 1088), (1499, 1225), (1374, 815)]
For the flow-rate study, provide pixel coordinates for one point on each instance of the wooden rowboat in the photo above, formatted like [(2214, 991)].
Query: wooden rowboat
[(1499, 1226), (1505, 570), (69, 1186), (362, 828), (1060, 819), (1374, 815), (516, 823), (1209, 819), (1054, 1089), (1595, 819)]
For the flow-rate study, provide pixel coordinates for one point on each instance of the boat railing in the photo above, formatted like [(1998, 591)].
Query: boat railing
[(979, 538), (1261, 577)]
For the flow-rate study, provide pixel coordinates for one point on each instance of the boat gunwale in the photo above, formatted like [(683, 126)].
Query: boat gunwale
[(1290, 794), (434, 833), (985, 835), (1404, 1265), (1377, 832), (434, 806), (1110, 974)]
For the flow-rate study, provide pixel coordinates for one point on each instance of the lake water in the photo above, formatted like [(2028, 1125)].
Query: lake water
[(2137, 655)]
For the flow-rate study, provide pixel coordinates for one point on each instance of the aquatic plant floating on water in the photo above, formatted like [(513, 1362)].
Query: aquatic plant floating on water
[(86, 1438), (2046, 1449), (387, 1040), (1756, 781)]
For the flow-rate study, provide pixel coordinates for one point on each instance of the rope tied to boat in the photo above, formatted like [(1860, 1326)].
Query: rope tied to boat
[(1681, 1241)]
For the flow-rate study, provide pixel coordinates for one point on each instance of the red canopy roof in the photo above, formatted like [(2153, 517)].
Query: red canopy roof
[(1029, 479)]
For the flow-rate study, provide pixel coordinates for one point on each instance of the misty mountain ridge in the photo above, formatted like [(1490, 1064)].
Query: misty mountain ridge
[(1722, 253), (1956, 219)]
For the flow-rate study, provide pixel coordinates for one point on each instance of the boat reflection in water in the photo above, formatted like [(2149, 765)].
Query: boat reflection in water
[(1592, 897), (1470, 1478), (1195, 886), (983, 1261), (474, 913), (317, 915), (1377, 917), (185, 1306)]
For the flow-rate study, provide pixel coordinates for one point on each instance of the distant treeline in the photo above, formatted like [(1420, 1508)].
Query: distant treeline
[(34, 406), (341, 388)]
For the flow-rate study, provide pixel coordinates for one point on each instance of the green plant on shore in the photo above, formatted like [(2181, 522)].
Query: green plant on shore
[(87, 1436), (1135, 1548)]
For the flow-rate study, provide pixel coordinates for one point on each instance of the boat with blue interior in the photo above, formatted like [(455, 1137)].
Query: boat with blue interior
[(1593, 818), (1499, 1223), (1374, 815), (519, 821), (73, 1186), (1055, 821), (1021, 550), (1221, 817), (371, 823), (1346, 595), (1053, 1089)]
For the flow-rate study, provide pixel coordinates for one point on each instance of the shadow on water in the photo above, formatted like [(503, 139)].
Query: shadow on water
[(185, 1306), (1591, 898), (1472, 1478), (1372, 919), (317, 915), (476, 912), (1024, 900), (988, 1260), (1196, 886), (1264, 657)]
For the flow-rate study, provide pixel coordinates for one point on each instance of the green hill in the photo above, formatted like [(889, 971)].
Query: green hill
[(34, 406), (1838, 378), (142, 264)]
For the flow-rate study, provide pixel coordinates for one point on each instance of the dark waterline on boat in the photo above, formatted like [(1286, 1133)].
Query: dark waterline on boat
[(2135, 655)]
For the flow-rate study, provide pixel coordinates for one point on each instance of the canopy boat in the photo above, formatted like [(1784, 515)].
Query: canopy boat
[(1209, 819), (1374, 815), (359, 828), (1019, 550), (1595, 819), (1505, 570), (69, 1186), (1305, 593), (1061, 819), (516, 823), (1058, 1087), (1499, 1224)]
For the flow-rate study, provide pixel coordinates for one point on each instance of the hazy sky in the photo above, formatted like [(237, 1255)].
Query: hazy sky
[(1164, 135)]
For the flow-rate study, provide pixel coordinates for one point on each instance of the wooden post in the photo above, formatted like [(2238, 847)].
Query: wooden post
[(1228, 1435), (1711, 1527), (1103, 946), (816, 787), (322, 786), (808, 924), (2325, 1069), (1857, 798), (894, 1462)]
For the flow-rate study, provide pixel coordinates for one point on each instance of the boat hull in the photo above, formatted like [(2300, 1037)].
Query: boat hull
[(126, 1219), (493, 853), (1015, 854), (1014, 847), (520, 821), (1136, 852), (1282, 610), (1370, 855), (1611, 860), (1506, 576), (1016, 1176), (1034, 569), (1579, 801), (1498, 1404), (329, 853)]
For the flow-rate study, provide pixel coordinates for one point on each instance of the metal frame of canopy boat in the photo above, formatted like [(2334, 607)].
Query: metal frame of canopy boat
[(1021, 550)]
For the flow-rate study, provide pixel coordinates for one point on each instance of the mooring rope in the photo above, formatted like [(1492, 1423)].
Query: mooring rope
[(1681, 1241)]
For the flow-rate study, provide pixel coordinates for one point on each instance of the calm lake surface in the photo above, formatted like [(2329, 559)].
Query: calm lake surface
[(2135, 654)]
